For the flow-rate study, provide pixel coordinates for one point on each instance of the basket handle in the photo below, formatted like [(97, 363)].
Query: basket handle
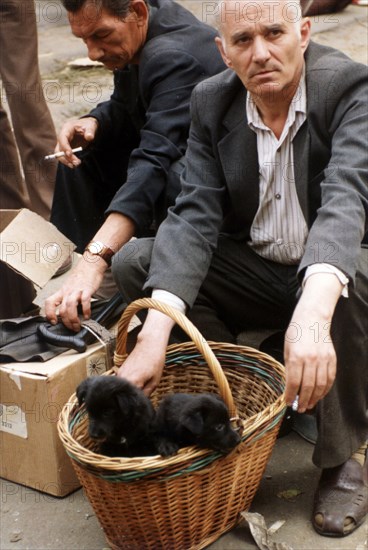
[(188, 327)]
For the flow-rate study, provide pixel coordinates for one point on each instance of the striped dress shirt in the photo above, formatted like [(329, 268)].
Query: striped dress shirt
[(279, 230)]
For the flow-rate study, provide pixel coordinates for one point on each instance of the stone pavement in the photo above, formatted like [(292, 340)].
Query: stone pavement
[(42, 522)]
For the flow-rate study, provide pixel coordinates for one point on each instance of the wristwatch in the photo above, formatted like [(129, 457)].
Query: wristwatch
[(97, 248)]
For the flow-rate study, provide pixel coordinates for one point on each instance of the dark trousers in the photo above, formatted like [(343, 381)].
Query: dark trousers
[(243, 291), (82, 194)]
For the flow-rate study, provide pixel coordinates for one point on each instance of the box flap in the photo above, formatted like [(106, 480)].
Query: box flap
[(32, 246), (48, 368)]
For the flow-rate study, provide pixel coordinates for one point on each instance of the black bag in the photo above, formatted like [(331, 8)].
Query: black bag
[(34, 339)]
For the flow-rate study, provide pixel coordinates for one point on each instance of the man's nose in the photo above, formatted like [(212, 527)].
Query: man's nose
[(261, 52), (95, 53)]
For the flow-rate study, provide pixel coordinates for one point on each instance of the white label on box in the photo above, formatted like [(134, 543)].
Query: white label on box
[(96, 364), (13, 421)]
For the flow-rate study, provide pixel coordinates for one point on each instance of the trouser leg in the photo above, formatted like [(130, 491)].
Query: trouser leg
[(247, 290), (33, 126), (13, 193), (241, 289), (82, 194), (130, 268), (17, 293), (343, 414)]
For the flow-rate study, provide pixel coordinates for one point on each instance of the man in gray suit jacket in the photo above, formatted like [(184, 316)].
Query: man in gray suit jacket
[(268, 231)]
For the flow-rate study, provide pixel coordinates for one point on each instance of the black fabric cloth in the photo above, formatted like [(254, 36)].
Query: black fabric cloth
[(132, 167), (21, 342)]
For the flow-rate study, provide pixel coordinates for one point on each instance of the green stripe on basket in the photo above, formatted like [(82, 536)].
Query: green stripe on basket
[(263, 371)]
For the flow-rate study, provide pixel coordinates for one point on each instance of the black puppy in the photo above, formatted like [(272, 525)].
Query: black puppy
[(120, 416), (194, 419)]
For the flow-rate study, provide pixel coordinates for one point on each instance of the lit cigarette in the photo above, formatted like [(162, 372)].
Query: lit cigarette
[(62, 154), (295, 404)]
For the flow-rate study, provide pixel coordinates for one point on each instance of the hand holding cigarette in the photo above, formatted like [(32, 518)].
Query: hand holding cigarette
[(77, 133)]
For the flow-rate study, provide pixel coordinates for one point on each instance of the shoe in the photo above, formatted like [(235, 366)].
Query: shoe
[(341, 499), (305, 425)]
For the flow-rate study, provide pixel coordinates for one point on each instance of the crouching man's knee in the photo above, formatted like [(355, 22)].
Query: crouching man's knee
[(130, 267)]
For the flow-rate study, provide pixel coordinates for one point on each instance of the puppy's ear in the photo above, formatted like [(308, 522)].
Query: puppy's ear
[(82, 391), (193, 422)]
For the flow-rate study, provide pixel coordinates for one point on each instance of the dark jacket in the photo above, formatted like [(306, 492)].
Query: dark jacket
[(179, 53)]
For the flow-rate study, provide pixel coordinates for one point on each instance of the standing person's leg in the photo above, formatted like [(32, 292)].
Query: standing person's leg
[(33, 126), (13, 193)]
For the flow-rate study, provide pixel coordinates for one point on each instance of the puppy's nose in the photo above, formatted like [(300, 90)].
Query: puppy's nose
[(233, 439)]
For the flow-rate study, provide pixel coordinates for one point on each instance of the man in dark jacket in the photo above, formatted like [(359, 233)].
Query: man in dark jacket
[(134, 143)]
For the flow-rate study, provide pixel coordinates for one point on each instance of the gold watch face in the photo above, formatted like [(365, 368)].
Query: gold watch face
[(95, 248)]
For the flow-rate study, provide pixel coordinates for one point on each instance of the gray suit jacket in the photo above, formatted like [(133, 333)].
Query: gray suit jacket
[(220, 186)]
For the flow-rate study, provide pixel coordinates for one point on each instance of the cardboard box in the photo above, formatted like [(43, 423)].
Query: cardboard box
[(32, 396), (31, 252), (31, 246)]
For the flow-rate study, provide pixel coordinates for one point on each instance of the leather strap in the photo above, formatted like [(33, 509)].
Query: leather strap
[(104, 336)]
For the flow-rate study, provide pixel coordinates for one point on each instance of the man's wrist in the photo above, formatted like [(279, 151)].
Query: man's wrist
[(157, 327), (320, 295), (96, 250)]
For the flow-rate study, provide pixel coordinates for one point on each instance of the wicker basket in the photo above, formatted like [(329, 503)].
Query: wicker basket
[(188, 500)]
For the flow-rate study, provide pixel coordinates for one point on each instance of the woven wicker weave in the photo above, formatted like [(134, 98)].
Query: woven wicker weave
[(186, 501)]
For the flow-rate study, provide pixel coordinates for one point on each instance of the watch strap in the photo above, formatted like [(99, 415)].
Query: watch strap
[(100, 249)]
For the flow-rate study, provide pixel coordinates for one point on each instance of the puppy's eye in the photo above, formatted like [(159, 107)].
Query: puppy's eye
[(219, 427)]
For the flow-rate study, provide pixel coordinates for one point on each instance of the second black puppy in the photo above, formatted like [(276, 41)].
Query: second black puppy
[(120, 416), (194, 419)]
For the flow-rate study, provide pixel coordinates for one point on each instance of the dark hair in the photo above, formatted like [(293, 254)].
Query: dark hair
[(120, 8)]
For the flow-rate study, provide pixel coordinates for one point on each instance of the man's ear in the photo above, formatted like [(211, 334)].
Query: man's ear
[(221, 48), (305, 33), (193, 422), (140, 9), (82, 391)]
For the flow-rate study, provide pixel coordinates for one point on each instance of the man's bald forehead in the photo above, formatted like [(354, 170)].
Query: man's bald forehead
[(251, 11)]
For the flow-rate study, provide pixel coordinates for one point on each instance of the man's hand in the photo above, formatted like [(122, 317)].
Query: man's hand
[(145, 364), (75, 133), (310, 357), (86, 277), (79, 287)]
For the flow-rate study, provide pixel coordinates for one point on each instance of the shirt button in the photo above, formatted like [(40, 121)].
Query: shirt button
[(278, 196), (279, 241)]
